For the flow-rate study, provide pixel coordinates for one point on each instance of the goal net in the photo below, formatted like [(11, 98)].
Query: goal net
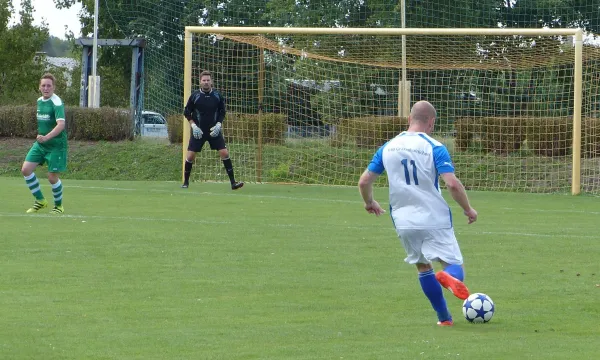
[(517, 108)]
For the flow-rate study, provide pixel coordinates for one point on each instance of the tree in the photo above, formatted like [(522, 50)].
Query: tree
[(162, 23), (56, 47), (20, 73)]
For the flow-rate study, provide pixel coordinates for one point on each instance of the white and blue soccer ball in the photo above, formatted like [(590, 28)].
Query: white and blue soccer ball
[(478, 308)]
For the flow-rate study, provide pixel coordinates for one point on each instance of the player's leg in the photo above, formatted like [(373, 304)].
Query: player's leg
[(57, 192), (218, 144), (194, 146), (455, 270), (190, 157), (57, 163), (441, 245), (412, 241), (34, 157), (434, 292)]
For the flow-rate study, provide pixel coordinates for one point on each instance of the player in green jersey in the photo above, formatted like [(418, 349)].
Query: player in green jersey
[(50, 147)]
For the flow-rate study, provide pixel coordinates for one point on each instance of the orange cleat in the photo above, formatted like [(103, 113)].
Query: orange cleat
[(456, 287), (446, 323)]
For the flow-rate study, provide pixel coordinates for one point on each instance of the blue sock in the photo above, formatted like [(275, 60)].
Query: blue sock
[(455, 271), (433, 290)]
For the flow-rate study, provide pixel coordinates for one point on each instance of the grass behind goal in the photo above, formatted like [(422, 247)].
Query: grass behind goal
[(146, 270)]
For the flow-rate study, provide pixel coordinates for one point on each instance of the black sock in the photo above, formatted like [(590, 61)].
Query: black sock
[(188, 171), (229, 167)]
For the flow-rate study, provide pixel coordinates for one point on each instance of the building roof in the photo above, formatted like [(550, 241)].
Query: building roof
[(62, 62)]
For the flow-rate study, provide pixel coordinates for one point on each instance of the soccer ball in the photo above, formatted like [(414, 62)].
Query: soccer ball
[(478, 308)]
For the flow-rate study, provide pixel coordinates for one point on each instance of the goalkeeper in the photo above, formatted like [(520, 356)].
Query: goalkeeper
[(205, 111)]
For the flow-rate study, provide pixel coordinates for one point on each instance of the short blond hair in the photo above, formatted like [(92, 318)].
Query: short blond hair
[(49, 77), (206, 73)]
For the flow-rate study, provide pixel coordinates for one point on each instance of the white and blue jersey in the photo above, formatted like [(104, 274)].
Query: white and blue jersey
[(414, 161)]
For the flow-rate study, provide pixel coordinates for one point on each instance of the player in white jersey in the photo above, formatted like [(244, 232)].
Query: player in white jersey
[(414, 162)]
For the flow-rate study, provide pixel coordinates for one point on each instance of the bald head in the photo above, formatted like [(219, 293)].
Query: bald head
[(422, 117), (422, 111)]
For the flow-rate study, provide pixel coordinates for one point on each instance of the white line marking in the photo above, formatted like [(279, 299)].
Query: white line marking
[(560, 211), (98, 217), (370, 228), (252, 196), (570, 236), (187, 192)]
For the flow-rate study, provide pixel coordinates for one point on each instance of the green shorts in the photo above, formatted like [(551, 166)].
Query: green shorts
[(56, 158)]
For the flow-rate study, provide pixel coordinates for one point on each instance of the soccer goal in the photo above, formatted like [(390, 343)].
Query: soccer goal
[(517, 108)]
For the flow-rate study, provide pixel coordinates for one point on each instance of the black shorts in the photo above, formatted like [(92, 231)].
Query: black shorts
[(216, 143)]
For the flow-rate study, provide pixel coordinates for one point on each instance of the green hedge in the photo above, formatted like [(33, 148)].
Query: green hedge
[(590, 137), (495, 134), (81, 123), (368, 131), (544, 136), (240, 128), (175, 128), (550, 136)]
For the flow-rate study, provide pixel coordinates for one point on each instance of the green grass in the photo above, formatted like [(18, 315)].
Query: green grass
[(146, 270), (299, 161)]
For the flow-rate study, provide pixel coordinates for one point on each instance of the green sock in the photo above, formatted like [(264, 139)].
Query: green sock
[(34, 186), (57, 192)]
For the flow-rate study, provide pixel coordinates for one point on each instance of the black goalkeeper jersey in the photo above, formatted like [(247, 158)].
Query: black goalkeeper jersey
[(206, 109)]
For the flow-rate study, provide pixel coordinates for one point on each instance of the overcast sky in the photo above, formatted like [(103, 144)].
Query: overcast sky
[(56, 19)]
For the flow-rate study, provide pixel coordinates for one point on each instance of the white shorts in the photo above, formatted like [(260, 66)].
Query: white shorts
[(425, 246)]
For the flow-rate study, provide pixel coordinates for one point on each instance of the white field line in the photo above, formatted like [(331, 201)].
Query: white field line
[(560, 211), (370, 229), (568, 236), (186, 192), (99, 217)]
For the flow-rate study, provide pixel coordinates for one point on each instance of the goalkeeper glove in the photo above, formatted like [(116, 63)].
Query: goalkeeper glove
[(215, 130), (196, 132)]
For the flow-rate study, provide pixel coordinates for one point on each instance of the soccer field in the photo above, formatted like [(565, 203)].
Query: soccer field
[(146, 270)]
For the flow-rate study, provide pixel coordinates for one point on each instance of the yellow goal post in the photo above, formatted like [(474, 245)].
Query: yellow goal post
[(574, 35)]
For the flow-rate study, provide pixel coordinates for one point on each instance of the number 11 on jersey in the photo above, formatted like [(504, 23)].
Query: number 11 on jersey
[(414, 171)]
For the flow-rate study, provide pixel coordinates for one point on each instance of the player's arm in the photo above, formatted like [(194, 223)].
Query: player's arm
[(445, 168), (188, 112), (60, 126), (366, 181), (221, 109), (365, 185), (220, 115), (59, 114), (457, 191)]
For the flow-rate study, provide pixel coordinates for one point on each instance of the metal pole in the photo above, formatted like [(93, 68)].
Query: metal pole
[(378, 31), (94, 57), (261, 86), (405, 106), (187, 92), (577, 101)]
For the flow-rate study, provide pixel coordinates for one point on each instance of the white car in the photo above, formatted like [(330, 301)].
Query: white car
[(153, 124)]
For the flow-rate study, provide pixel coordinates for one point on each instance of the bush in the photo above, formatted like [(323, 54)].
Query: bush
[(81, 123), (500, 135), (239, 128), (590, 137), (466, 128), (549, 136), (103, 123), (243, 128), (18, 121), (369, 131), (175, 128)]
